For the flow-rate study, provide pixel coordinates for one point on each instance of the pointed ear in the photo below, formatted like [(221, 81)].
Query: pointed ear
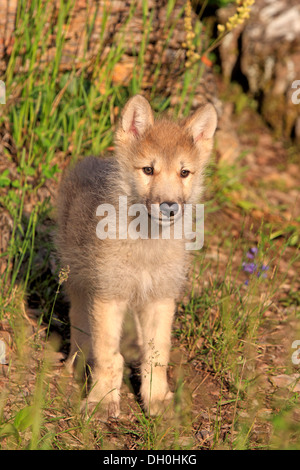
[(202, 124), (136, 117)]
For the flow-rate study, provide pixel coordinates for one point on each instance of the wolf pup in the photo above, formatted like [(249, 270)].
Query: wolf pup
[(158, 164)]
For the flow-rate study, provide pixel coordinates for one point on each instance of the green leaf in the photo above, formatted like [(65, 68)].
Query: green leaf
[(277, 234), (291, 229), (246, 205), (49, 172), (16, 184), (4, 178), (293, 240), (24, 418), (9, 430), (28, 170)]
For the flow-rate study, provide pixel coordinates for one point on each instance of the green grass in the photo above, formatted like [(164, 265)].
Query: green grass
[(54, 117)]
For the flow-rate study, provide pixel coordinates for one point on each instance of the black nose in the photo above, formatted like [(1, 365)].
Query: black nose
[(169, 209)]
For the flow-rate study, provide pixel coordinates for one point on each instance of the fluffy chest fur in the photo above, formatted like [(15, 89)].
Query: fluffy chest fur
[(141, 270)]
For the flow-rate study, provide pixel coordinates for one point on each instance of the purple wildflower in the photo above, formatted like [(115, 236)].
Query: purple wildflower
[(252, 267), (252, 252), (264, 268), (249, 267)]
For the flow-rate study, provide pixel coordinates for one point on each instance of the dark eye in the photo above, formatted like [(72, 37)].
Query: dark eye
[(148, 170), (184, 173)]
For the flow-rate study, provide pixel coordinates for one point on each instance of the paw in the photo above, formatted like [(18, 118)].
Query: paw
[(103, 409), (158, 405), (105, 404)]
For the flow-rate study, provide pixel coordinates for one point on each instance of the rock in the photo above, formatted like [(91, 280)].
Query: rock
[(227, 146), (292, 382), (267, 53)]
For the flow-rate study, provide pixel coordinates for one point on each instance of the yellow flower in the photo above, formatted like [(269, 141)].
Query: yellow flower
[(189, 37), (243, 9), (63, 274), (242, 13)]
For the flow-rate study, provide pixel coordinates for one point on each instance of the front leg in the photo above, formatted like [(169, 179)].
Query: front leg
[(106, 320), (155, 327)]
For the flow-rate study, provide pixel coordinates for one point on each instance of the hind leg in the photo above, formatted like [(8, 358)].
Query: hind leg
[(80, 348)]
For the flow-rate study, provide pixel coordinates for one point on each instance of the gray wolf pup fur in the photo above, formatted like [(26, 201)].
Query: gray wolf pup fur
[(157, 161)]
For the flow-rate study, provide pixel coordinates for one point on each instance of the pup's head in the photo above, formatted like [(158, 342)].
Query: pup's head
[(163, 161)]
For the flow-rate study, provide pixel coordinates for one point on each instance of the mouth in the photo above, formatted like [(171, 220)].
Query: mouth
[(161, 220), (165, 215)]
